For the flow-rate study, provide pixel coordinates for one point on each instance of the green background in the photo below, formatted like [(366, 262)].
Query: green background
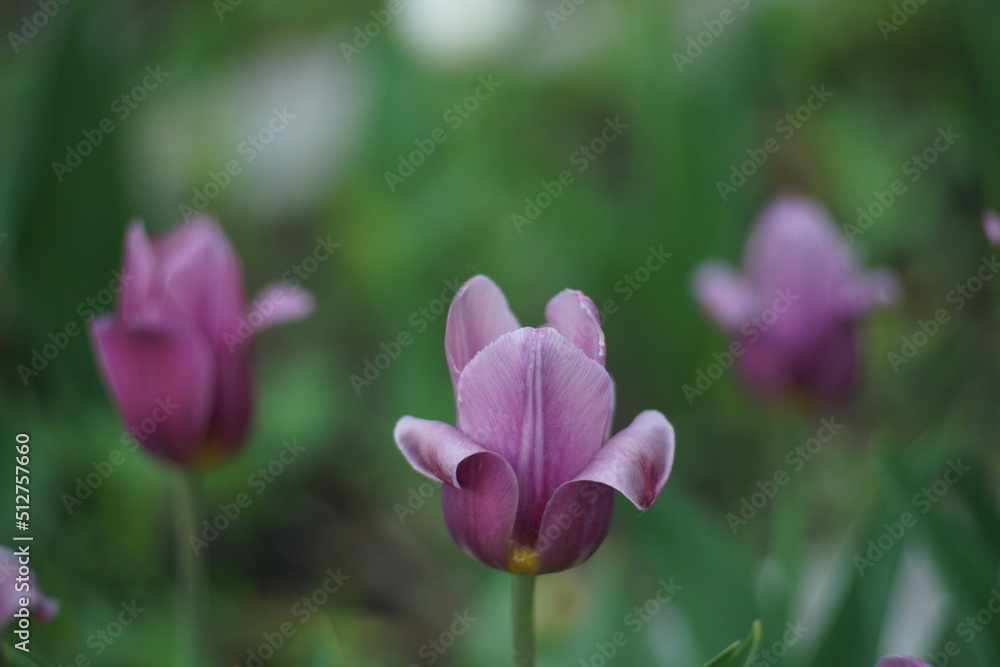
[(655, 186)]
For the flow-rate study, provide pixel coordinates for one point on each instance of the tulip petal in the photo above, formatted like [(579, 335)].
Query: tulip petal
[(636, 461), (163, 382), (278, 303), (479, 315), (727, 297), (826, 372), (876, 288), (796, 244), (203, 276), (574, 525), (43, 606), (233, 400), (480, 515), (766, 366), (797, 250), (541, 403), (137, 303), (575, 316), (822, 366), (991, 226), (480, 493)]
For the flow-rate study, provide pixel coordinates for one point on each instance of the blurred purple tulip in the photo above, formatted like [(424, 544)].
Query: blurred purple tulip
[(529, 469), (12, 590), (991, 225), (795, 306), (900, 661), (175, 355)]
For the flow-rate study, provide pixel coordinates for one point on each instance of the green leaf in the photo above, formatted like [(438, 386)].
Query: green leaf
[(740, 653)]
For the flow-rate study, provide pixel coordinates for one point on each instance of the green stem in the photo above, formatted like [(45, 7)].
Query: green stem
[(189, 623), (522, 605)]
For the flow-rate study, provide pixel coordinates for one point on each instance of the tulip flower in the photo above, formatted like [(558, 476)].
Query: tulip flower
[(10, 596), (900, 661), (175, 356), (795, 307), (991, 225), (528, 469)]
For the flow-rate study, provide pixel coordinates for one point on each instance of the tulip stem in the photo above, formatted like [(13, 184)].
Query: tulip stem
[(522, 604), (189, 570)]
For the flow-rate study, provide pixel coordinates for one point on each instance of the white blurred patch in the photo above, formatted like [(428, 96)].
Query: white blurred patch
[(455, 32), (215, 118), (568, 33), (918, 604), (671, 638), (825, 576)]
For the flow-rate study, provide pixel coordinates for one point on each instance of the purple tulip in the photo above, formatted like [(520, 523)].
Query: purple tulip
[(175, 356), (991, 225), (11, 592), (529, 469), (900, 661), (795, 307)]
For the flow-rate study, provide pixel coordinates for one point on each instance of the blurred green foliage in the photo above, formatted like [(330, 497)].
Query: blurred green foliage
[(655, 186)]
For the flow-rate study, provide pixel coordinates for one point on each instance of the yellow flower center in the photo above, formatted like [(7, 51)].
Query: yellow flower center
[(522, 560), (208, 455)]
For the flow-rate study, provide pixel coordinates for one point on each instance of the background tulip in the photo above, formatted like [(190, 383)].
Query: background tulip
[(991, 225), (175, 357), (796, 305), (44, 607), (528, 469)]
